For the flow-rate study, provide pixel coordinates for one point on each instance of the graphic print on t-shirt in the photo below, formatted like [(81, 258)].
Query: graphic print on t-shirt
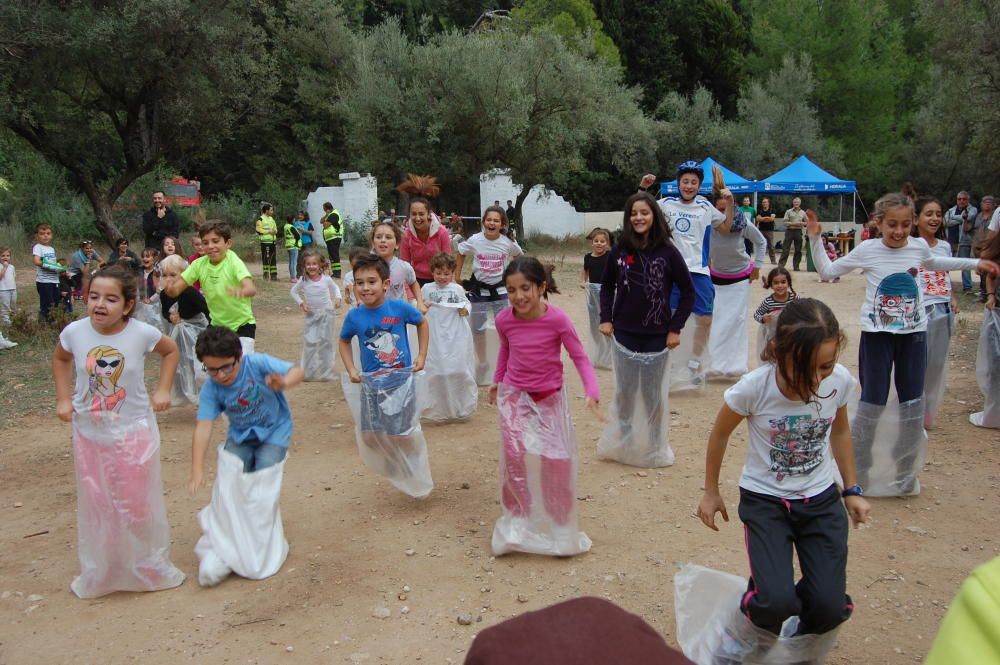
[(935, 282), (105, 365), (438, 296), (651, 278), (797, 444), (385, 345), (896, 300)]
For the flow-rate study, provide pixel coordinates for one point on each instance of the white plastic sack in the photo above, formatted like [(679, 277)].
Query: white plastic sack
[(319, 345), (451, 391), (765, 333), (152, 314), (538, 464), (387, 428), (241, 528), (247, 345), (688, 371), (988, 370), (728, 343), (122, 531), (482, 321), (599, 346), (890, 444), (711, 629), (190, 376), (939, 321), (638, 429)]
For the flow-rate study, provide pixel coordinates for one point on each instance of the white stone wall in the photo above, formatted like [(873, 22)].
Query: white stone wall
[(356, 199), (543, 212)]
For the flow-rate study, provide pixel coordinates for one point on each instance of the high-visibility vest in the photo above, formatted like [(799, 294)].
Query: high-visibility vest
[(267, 229), (292, 239), (336, 228)]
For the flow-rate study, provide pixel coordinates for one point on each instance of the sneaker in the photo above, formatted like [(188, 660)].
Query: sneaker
[(694, 367)]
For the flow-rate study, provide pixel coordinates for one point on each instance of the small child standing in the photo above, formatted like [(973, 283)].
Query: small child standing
[(385, 408), (123, 535), (225, 280), (187, 316), (293, 244), (779, 280), (318, 296), (242, 525), (47, 271), (8, 286), (147, 309), (452, 393), (348, 280), (796, 412), (65, 286), (538, 446), (601, 350), (171, 247)]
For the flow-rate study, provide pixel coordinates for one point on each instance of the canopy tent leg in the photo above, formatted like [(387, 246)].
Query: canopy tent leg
[(840, 215), (854, 208)]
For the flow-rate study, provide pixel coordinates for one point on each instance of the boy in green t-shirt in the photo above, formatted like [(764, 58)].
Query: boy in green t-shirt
[(225, 282)]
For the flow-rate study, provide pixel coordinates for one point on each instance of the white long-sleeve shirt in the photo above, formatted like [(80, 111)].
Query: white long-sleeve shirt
[(318, 294), (893, 299)]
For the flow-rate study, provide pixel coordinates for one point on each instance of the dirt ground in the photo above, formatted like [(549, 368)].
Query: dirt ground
[(349, 532)]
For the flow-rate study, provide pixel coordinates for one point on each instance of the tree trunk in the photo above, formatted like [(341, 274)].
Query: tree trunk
[(518, 220), (104, 221)]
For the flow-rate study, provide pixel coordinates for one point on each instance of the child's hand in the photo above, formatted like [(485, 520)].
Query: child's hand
[(985, 265), (275, 382), (768, 318), (813, 227), (858, 508), (418, 364), (607, 329), (491, 394), (954, 304), (236, 291), (991, 301), (755, 274), (304, 307), (422, 307), (336, 305), (355, 376), (583, 285), (161, 400), (711, 504), (175, 318), (64, 409), (647, 181), (197, 481), (147, 301), (595, 408), (673, 340), (463, 312)]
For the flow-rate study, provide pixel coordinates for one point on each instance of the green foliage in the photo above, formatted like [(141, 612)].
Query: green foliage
[(235, 207), (574, 21)]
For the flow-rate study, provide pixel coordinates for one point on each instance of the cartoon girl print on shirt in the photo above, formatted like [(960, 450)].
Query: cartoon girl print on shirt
[(896, 300), (105, 365)]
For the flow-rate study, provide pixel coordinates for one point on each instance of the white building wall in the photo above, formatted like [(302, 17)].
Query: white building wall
[(546, 213), (356, 199)]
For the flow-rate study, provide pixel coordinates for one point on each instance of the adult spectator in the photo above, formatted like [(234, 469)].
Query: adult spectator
[(159, 222), (85, 262), (795, 221), (956, 217), (510, 211), (980, 232), (765, 222), (424, 236), (959, 221)]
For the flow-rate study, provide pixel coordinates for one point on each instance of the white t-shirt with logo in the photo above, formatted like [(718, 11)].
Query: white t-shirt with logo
[(110, 368), (691, 225), (936, 284), (489, 257), (788, 454), (401, 273), (45, 275)]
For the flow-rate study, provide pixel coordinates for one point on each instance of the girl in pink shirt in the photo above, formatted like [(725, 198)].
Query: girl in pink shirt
[(534, 417)]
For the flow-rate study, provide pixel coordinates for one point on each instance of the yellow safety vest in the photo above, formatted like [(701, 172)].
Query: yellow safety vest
[(267, 229), (336, 228)]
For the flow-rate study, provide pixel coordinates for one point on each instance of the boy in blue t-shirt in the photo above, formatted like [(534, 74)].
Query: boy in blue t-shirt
[(248, 389), (380, 326)]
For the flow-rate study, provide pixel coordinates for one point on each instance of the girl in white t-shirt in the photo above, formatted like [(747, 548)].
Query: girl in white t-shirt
[(796, 412), (318, 296), (940, 304), (386, 237), (124, 539)]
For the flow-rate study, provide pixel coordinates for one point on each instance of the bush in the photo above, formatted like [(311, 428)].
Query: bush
[(235, 208)]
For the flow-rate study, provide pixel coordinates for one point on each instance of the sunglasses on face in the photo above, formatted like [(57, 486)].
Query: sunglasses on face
[(109, 363), (222, 369)]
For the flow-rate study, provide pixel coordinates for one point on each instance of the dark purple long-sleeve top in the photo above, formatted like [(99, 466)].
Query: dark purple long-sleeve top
[(635, 293)]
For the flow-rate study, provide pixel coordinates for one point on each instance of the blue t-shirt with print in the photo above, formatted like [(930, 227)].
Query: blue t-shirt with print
[(254, 410), (381, 333)]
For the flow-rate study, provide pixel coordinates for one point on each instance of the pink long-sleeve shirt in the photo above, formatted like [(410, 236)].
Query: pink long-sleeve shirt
[(420, 253), (531, 350)]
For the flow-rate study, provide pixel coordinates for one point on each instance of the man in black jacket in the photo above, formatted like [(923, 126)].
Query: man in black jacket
[(159, 222)]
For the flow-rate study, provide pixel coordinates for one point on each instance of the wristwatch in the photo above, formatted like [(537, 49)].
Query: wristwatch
[(853, 490)]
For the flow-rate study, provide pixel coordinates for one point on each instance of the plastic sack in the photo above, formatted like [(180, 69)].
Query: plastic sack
[(939, 320), (711, 629), (241, 528), (537, 461), (687, 370), (319, 345), (765, 333), (890, 444), (728, 342), (482, 321), (387, 428), (247, 345), (122, 531), (152, 314), (451, 391), (599, 346), (988, 370), (190, 376), (638, 429)]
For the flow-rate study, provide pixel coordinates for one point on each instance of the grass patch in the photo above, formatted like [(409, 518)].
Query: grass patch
[(27, 372)]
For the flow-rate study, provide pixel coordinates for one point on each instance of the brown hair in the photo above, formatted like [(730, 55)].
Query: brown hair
[(443, 260), (803, 325), (503, 214), (395, 231), (324, 263), (598, 232), (371, 262), (126, 280), (534, 272), (216, 226), (890, 201)]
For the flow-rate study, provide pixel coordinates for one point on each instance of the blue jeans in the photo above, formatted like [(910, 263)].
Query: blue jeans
[(293, 263), (965, 252), (256, 456)]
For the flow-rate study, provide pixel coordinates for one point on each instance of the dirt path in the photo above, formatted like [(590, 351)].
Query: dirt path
[(349, 532)]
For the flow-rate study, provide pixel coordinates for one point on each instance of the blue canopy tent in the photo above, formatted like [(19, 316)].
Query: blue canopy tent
[(804, 177), (735, 182)]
